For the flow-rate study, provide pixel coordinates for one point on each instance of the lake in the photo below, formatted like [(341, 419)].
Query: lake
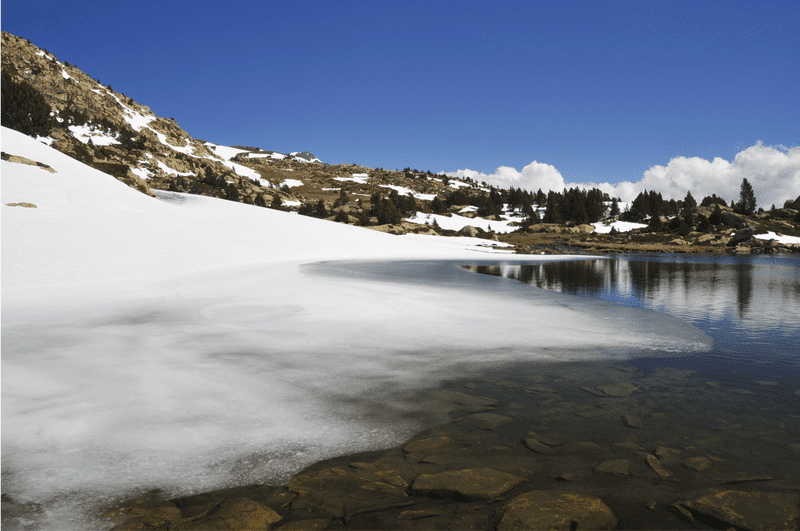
[(749, 305), (724, 388)]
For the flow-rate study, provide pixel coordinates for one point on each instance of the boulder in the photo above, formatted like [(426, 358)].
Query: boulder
[(734, 220), (468, 230), (740, 236), (556, 511), (469, 484), (792, 204)]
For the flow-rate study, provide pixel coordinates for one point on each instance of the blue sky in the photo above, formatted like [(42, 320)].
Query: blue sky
[(598, 91)]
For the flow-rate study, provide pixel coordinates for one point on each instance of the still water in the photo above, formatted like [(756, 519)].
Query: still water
[(750, 306)]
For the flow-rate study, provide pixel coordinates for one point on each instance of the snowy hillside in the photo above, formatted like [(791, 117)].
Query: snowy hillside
[(180, 342)]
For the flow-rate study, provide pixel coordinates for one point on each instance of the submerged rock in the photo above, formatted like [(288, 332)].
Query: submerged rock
[(614, 467), (745, 510), (484, 421), (618, 390), (632, 421), (556, 511), (237, 514), (698, 464), (469, 484)]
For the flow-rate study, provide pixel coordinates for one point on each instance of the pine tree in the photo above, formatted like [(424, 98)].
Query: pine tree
[(614, 212), (747, 199)]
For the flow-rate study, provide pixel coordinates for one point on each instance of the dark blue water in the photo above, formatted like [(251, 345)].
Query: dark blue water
[(749, 305)]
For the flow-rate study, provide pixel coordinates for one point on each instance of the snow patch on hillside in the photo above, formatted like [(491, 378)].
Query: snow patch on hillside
[(456, 222), (402, 190), (360, 178), (84, 133), (618, 226), (779, 238)]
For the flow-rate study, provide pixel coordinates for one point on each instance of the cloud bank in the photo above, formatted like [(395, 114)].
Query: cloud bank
[(774, 173)]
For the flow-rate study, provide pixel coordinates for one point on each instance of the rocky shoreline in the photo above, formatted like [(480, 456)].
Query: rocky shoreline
[(578, 448)]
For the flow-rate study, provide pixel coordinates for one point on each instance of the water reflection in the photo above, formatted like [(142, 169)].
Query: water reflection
[(745, 303)]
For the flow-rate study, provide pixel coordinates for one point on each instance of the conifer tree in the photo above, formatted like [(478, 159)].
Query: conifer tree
[(747, 199)]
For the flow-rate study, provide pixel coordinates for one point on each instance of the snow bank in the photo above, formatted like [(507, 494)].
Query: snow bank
[(779, 238), (291, 183), (402, 190), (183, 344), (360, 178), (456, 222), (619, 226)]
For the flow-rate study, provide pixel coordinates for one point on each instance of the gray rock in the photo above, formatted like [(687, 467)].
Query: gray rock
[(740, 236)]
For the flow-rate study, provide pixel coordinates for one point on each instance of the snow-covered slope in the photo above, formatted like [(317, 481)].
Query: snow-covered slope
[(180, 343)]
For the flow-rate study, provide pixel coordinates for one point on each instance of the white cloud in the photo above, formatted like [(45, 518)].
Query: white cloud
[(532, 177), (774, 173)]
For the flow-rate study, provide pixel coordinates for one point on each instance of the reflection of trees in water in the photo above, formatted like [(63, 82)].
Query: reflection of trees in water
[(647, 280), (573, 277), (744, 287), (756, 291)]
